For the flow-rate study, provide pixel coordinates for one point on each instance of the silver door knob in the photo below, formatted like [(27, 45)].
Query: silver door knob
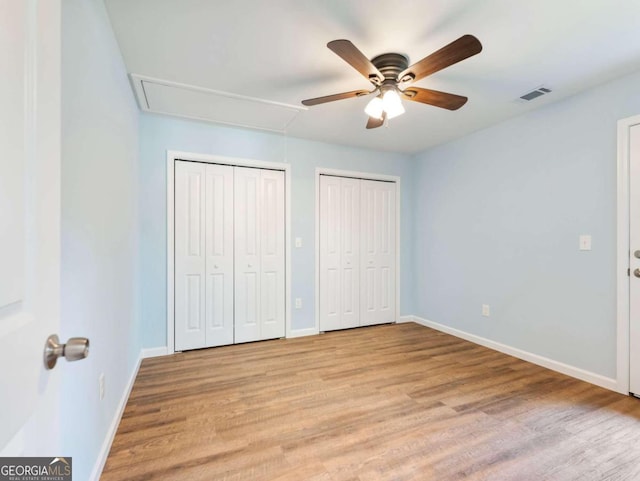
[(249, 266), (75, 349), (215, 266), (636, 272), (636, 254)]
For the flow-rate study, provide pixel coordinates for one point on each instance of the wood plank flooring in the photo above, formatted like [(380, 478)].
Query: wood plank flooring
[(394, 402)]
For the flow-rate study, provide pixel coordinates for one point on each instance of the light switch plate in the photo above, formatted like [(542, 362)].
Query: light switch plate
[(298, 242), (486, 310), (298, 303), (585, 242)]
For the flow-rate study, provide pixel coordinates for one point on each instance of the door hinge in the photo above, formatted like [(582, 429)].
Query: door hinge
[(629, 272)]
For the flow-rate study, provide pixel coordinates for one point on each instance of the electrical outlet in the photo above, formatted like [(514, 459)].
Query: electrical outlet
[(585, 242), (101, 385), (298, 303), (486, 310)]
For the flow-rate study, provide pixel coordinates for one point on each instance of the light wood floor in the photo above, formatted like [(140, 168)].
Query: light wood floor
[(394, 402)]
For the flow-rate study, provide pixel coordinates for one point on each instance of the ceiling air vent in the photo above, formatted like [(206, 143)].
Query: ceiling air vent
[(534, 94)]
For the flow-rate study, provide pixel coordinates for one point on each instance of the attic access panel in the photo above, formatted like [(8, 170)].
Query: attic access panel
[(169, 98)]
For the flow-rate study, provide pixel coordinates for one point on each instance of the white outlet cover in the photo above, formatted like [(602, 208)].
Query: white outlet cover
[(585, 242)]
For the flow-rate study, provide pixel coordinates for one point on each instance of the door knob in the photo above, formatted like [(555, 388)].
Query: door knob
[(636, 254), (636, 272), (249, 266), (75, 349)]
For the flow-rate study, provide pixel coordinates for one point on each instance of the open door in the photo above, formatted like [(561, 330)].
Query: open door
[(30, 223), (634, 259)]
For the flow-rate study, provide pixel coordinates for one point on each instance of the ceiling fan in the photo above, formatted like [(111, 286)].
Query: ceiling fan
[(392, 77)]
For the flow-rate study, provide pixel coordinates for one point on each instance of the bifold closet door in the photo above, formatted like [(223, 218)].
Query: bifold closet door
[(378, 252), (203, 255), (259, 255), (339, 248)]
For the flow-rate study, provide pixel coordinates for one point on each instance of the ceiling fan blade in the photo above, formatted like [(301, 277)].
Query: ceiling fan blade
[(373, 123), (354, 57), (331, 98), (458, 50), (436, 98)]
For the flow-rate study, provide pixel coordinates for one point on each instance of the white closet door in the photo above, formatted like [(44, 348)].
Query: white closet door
[(190, 330), (350, 253), (247, 258), (330, 289), (203, 255), (259, 259), (272, 261), (378, 252), (219, 255), (339, 248)]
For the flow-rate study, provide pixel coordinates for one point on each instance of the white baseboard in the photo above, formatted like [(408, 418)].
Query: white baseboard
[(578, 373), (153, 352), (113, 427), (311, 331)]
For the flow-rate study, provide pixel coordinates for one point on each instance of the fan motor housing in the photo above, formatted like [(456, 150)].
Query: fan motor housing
[(390, 64)]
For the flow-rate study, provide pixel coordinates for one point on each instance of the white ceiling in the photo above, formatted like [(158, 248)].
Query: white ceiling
[(276, 50)]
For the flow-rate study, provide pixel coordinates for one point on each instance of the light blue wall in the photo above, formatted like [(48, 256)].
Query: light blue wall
[(498, 215), (159, 134), (99, 228)]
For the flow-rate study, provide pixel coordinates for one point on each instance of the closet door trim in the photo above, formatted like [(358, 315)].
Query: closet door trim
[(355, 175), (172, 157)]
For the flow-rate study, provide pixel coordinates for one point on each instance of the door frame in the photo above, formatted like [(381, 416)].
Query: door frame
[(356, 175), (622, 255), (172, 156)]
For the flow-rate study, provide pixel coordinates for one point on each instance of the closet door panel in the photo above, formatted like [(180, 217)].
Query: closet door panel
[(219, 255), (190, 328), (378, 247), (247, 226), (350, 253), (272, 259), (330, 253), (339, 253)]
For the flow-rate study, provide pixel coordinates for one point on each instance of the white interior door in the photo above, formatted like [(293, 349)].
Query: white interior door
[(272, 261), (634, 262), (190, 332), (30, 223), (339, 252), (203, 255), (247, 259), (259, 254), (378, 252), (218, 214)]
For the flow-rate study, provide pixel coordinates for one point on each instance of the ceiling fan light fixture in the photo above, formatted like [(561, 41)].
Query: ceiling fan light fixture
[(375, 108), (392, 104), (390, 74)]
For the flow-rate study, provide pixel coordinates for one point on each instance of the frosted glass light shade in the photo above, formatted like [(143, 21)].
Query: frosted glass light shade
[(374, 108), (391, 104)]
